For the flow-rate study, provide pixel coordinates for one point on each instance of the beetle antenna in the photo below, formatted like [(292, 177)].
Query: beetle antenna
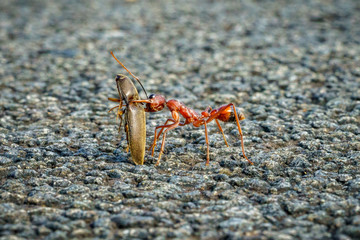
[(136, 78)]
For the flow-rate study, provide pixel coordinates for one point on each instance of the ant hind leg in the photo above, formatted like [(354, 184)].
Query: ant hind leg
[(241, 135), (207, 144)]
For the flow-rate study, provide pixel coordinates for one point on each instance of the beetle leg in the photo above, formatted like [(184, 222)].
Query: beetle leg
[(120, 113), (126, 132), (111, 109), (120, 124), (114, 99), (118, 106)]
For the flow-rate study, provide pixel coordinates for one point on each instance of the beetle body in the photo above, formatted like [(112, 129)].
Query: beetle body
[(135, 119)]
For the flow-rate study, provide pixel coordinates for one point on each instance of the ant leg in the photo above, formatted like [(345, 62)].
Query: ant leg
[(171, 126), (240, 132), (180, 124), (156, 136), (141, 101), (162, 129), (207, 144), (159, 134), (225, 110), (218, 124)]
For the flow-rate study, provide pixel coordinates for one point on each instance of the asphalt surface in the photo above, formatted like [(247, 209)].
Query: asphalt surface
[(292, 67)]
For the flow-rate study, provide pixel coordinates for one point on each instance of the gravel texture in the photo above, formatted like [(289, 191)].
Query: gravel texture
[(293, 67)]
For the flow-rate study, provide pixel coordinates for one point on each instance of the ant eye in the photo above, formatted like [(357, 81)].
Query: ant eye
[(151, 96)]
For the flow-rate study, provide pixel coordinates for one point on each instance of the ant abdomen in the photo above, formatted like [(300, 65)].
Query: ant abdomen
[(229, 116)]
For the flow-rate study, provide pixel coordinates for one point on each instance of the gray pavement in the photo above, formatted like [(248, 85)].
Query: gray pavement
[(292, 67)]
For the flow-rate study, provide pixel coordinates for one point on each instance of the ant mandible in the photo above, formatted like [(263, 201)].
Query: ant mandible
[(157, 102)]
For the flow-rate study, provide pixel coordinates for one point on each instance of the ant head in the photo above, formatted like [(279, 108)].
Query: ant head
[(157, 103)]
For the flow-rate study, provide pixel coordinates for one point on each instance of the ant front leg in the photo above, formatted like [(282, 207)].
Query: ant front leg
[(207, 144), (222, 132), (176, 123), (157, 136), (162, 129), (198, 123)]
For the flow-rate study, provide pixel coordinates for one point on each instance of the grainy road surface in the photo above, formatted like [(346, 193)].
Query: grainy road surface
[(293, 67)]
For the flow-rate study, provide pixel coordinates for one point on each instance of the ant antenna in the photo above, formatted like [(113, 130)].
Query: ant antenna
[(136, 78)]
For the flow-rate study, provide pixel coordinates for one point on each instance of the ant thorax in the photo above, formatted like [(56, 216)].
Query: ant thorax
[(189, 114)]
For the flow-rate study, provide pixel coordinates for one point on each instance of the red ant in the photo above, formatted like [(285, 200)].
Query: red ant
[(224, 113)]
